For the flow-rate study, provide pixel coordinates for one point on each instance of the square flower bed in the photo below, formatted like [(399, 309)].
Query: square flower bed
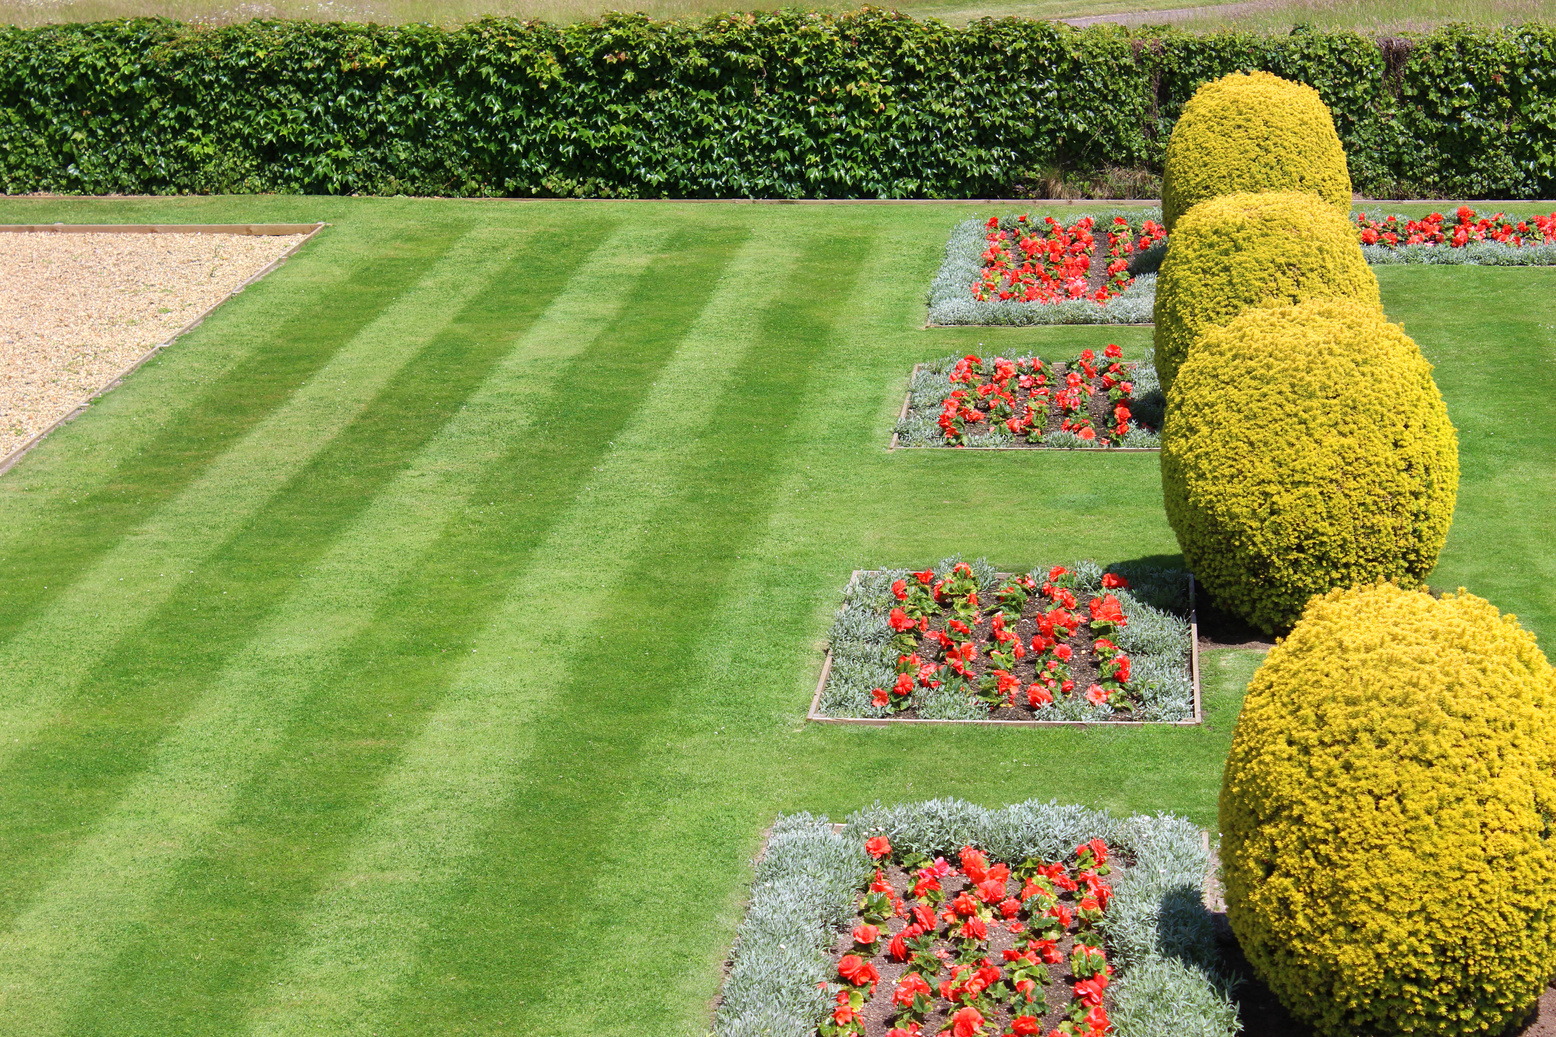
[(1022, 269), (1026, 402), (1036, 920), (959, 642)]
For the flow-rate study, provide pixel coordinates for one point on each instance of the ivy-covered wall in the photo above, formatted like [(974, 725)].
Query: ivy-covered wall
[(870, 104)]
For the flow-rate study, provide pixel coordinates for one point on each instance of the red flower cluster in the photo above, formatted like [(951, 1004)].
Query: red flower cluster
[(1032, 262), (1122, 244), (939, 927), (1031, 398), (1433, 230), (1017, 651)]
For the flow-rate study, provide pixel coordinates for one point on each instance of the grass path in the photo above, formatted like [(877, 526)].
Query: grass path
[(474, 567)]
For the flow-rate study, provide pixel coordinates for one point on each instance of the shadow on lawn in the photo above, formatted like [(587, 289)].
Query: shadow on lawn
[(1217, 629)]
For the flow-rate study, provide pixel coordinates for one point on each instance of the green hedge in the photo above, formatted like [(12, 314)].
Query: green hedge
[(772, 105)]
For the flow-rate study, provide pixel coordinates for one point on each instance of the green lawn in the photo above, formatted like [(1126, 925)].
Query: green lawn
[(420, 646), (1367, 16)]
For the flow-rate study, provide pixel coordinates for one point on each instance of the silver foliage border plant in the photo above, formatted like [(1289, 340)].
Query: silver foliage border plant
[(950, 294), (1156, 640), (1170, 980), (1476, 253)]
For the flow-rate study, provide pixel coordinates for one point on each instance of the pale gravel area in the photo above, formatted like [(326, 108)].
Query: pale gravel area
[(77, 309)]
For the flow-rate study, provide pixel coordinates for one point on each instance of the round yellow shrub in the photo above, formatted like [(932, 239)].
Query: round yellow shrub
[(1386, 816), (1254, 132), (1238, 250), (1306, 447)]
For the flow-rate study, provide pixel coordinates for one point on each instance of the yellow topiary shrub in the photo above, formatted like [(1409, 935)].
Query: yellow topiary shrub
[(1306, 447), (1386, 816), (1254, 132), (1238, 250)]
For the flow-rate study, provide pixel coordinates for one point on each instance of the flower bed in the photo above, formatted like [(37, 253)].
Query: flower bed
[(961, 642), (1030, 403), (1005, 939), (1019, 269), (1469, 238), (1467, 227), (1043, 261), (1052, 920)]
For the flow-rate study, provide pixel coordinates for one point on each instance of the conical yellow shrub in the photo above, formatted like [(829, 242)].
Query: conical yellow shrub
[(1386, 816), (1254, 132), (1238, 250), (1306, 447)]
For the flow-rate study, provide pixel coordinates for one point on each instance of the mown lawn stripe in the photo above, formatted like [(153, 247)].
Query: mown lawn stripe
[(36, 568), (363, 931), (44, 663), (727, 712), (324, 763), (1500, 403), (158, 834), (140, 689), (538, 850)]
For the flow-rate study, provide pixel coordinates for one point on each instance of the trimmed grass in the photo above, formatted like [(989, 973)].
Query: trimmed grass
[(1361, 15), (420, 645)]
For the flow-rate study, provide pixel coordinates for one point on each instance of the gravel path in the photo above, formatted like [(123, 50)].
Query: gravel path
[(77, 309)]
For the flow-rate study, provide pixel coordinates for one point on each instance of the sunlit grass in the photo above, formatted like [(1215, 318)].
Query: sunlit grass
[(421, 645), (1370, 16)]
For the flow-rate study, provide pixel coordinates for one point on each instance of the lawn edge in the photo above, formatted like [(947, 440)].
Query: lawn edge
[(114, 381)]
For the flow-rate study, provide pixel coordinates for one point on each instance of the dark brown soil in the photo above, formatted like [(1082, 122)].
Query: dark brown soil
[(879, 1013), (1083, 666), (1099, 408)]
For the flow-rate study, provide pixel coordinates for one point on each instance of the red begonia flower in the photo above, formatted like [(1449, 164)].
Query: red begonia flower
[(967, 1023)]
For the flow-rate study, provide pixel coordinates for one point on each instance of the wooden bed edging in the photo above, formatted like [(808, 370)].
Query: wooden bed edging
[(308, 230), (907, 401), (815, 715)]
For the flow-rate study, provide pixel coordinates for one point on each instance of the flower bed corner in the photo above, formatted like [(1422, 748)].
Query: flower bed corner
[(1053, 920), (960, 643), (1019, 270), (1088, 402)]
